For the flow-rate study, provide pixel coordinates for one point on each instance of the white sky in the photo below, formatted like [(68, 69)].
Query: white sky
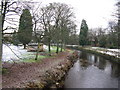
[(97, 13)]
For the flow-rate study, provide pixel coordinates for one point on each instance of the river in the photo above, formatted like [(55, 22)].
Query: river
[(93, 71)]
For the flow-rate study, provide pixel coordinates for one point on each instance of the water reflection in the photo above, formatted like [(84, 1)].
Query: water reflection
[(87, 59), (102, 63), (93, 71), (115, 70), (83, 60)]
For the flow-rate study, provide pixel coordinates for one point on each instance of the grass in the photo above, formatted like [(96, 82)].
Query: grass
[(30, 57), (30, 60), (71, 51), (53, 49), (4, 70)]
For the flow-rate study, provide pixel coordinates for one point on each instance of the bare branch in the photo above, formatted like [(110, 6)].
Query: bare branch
[(12, 51)]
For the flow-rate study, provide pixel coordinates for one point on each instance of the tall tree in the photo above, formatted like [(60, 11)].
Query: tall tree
[(118, 5), (47, 20), (8, 9), (0, 38), (25, 27), (63, 16), (15, 40), (83, 33)]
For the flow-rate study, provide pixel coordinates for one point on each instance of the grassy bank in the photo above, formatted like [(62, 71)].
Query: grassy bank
[(86, 49), (42, 55), (48, 73)]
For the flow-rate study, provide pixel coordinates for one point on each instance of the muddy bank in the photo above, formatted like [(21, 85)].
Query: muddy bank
[(109, 57), (54, 78), (50, 72)]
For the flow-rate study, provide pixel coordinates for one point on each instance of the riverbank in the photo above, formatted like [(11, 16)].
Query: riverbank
[(111, 54), (50, 72)]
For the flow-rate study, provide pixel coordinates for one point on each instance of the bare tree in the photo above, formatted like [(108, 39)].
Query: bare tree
[(0, 36), (47, 20), (62, 16), (56, 21), (118, 29), (7, 7), (10, 13), (93, 36)]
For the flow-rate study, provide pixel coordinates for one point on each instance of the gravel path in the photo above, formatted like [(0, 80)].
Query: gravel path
[(24, 72)]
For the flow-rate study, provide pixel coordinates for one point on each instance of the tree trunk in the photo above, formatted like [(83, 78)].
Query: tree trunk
[(24, 46), (49, 50), (2, 18), (64, 45), (1, 38), (57, 50), (61, 47), (36, 58)]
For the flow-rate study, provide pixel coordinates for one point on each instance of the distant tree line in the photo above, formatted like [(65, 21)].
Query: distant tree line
[(107, 38)]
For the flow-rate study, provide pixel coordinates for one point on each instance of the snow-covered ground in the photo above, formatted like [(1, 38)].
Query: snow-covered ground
[(112, 52), (45, 47), (8, 50)]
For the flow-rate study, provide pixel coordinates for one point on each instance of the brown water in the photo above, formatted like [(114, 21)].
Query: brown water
[(92, 71)]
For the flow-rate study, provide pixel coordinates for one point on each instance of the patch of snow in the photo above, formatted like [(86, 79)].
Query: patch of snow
[(9, 55), (95, 47), (112, 52), (116, 50), (45, 47)]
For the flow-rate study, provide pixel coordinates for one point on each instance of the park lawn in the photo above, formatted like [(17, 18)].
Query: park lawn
[(53, 49), (31, 57), (30, 60)]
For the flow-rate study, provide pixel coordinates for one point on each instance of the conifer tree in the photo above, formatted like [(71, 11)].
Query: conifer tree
[(83, 33), (25, 27)]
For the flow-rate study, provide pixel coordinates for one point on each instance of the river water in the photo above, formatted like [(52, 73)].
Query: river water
[(92, 71)]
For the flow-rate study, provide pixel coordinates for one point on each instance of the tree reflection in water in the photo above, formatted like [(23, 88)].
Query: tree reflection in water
[(83, 60), (87, 59), (115, 70)]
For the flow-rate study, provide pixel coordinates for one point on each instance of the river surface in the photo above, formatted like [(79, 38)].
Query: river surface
[(92, 71)]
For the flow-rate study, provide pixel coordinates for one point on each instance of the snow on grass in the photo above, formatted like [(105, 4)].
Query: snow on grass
[(111, 52), (45, 47), (114, 50)]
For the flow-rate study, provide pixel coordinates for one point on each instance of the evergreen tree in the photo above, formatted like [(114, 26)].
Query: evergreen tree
[(83, 33), (15, 40), (25, 27)]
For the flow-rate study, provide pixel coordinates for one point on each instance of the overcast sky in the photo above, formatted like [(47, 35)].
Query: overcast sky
[(97, 13)]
